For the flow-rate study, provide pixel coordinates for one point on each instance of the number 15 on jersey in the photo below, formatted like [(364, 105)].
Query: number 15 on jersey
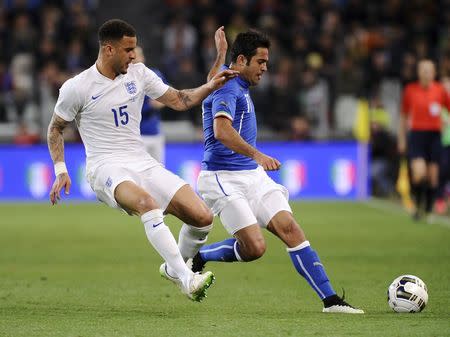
[(120, 116)]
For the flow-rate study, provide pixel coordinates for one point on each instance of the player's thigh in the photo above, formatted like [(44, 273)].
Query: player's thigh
[(236, 215), (187, 206), (105, 180), (161, 184), (418, 169), (268, 198), (134, 199)]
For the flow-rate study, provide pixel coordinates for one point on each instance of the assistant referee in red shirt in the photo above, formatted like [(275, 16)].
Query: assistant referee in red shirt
[(420, 133)]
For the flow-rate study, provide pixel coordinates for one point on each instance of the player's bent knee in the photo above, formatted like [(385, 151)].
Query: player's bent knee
[(204, 218), (253, 251), (145, 204)]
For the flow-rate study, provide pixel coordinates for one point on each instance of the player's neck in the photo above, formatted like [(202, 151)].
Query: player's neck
[(104, 69)]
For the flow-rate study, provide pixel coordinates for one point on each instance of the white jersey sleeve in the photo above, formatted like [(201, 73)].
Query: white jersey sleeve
[(154, 87), (69, 103)]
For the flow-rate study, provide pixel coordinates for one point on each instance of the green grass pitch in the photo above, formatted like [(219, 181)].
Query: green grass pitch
[(87, 270)]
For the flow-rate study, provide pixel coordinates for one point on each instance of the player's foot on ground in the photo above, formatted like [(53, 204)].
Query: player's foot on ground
[(336, 304), (196, 263), (197, 285)]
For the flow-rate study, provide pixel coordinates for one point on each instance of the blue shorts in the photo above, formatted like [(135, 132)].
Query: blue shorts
[(426, 145)]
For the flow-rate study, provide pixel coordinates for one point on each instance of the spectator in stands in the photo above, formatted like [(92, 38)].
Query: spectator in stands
[(384, 159)]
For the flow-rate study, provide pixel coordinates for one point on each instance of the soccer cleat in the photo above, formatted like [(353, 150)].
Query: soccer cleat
[(196, 263), (336, 304), (164, 274), (197, 285)]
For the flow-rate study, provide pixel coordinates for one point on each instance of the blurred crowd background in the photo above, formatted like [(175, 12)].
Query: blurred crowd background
[(336, 69)]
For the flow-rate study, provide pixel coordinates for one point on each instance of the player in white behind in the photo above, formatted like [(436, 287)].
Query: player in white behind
[(233, 180), (105, 101)]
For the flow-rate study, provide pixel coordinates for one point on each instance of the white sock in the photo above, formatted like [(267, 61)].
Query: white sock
[(163, 241), (191, 239)]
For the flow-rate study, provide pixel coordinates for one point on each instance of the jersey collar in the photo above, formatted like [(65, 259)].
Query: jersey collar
[(102, 77), (241, 81)]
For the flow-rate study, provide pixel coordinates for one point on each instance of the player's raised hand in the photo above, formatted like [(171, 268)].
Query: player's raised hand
[(267, 162), (221, 41), (221, 78), (61, 181)]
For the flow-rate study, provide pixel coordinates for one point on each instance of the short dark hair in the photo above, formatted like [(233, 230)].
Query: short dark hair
[(247, 43), (114, 30)]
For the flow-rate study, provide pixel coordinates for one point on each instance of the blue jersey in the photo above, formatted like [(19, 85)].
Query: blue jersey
[(232, 101), (150, 123)]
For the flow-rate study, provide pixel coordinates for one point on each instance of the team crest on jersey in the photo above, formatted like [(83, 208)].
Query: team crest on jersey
[(131, 87)]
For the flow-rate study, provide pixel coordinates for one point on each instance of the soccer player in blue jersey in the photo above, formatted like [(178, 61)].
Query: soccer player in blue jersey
[(233, 181)]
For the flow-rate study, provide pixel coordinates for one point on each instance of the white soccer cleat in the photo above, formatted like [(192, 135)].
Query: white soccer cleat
[(164, 274), (336, 304), (197, 284), (343, 309)]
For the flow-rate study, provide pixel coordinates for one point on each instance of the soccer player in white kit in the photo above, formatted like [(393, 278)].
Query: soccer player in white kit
[(105, 101)]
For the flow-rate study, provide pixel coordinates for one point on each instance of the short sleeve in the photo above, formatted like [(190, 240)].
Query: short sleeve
[(68, 104), (224, 102), (154, 86), (406, 101)]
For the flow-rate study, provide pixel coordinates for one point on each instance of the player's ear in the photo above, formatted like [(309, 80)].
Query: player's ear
[(108, 48), (241, 60)]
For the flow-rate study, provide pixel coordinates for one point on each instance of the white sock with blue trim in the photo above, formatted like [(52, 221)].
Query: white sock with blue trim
[(163, 241)]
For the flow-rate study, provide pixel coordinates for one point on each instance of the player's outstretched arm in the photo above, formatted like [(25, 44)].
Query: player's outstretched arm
[(228, 136), (187, 98), (221, 47), (55, 143)]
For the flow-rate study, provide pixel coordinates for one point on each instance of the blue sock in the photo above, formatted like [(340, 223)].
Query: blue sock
[(307, 263), (224, 251)]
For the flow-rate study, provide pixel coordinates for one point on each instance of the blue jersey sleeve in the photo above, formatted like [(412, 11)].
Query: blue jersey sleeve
[(224, 102)]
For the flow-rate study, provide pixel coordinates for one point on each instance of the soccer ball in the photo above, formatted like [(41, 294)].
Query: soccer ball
[(407, 293)]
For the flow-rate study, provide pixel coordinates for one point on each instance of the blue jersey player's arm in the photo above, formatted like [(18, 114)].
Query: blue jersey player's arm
[(224, 106)]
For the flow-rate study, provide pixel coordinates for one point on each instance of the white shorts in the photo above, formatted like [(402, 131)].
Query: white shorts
[(243, 198), (157, 181)]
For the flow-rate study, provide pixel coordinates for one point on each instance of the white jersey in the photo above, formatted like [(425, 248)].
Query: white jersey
[(108, 113)]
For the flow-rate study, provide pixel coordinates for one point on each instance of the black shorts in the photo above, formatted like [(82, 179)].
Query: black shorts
[(426, 145)]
